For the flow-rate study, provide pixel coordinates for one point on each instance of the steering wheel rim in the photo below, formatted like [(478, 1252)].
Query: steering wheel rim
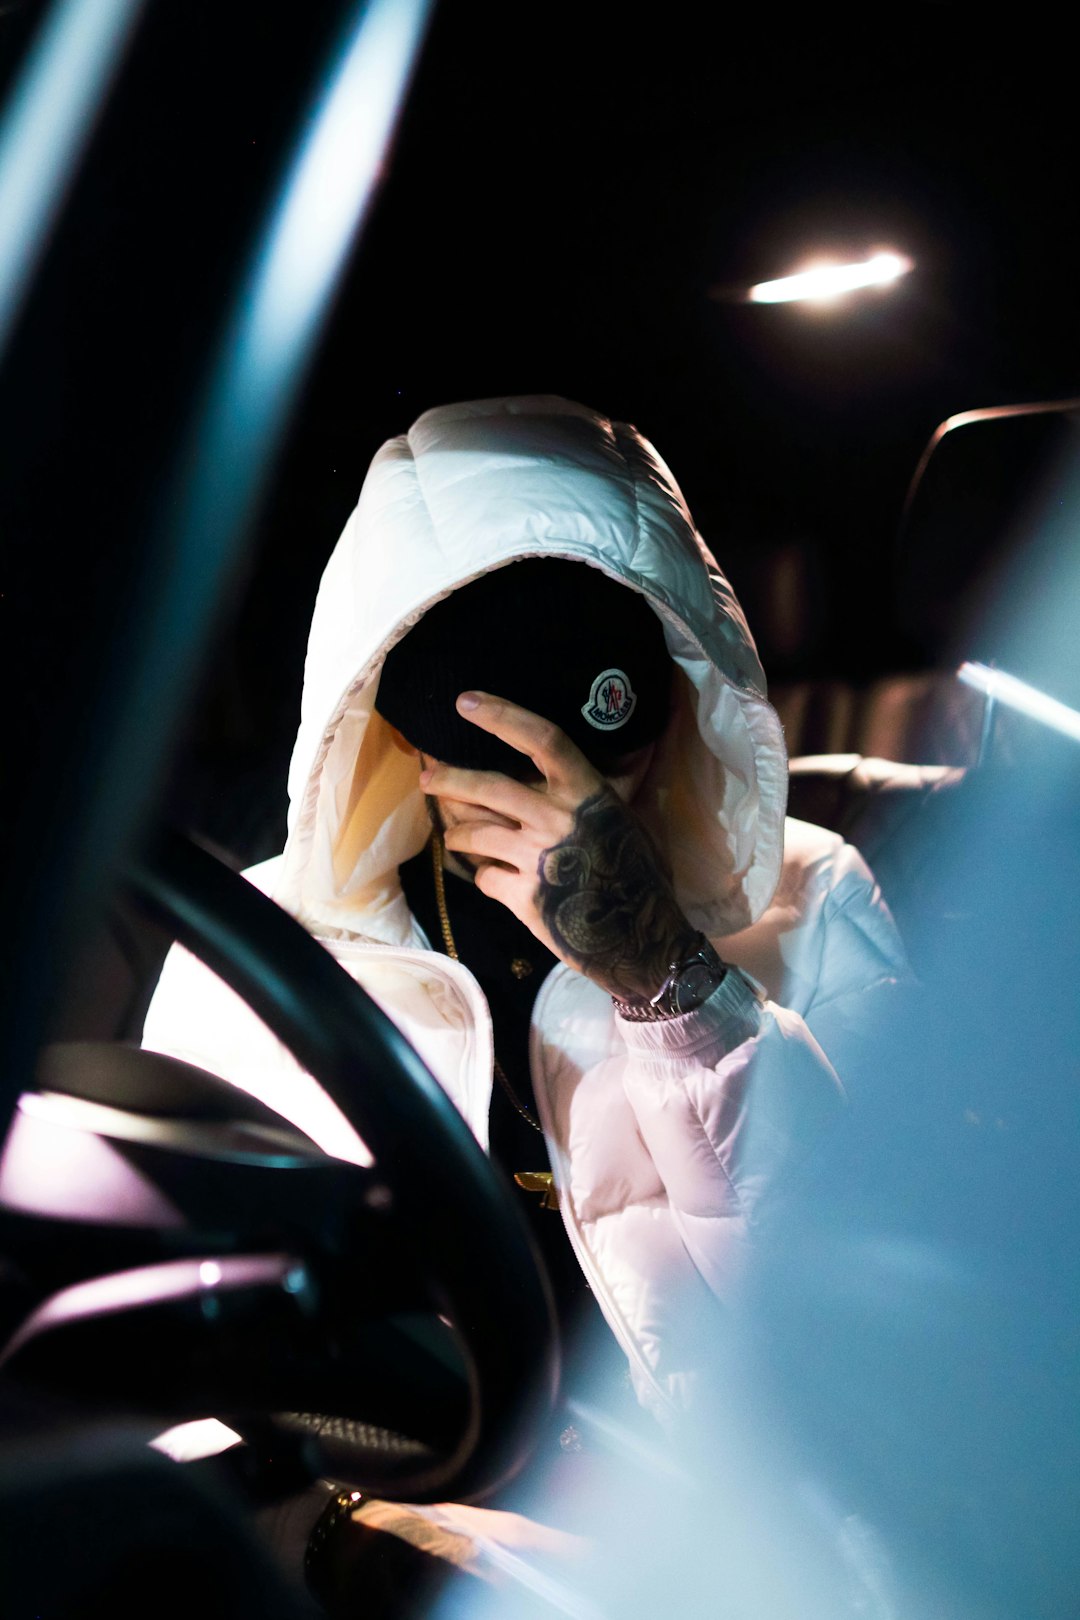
[(439, 1179)]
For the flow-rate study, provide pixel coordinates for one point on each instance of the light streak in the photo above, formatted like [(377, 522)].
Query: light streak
[(998, 687), (822, 282), (189, 1442), (49, 119), (149, 1285)]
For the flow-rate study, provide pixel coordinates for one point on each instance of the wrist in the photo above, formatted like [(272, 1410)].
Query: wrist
[(695, 971)]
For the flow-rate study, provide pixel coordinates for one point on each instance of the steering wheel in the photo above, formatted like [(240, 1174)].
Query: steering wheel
[(415, 1291)]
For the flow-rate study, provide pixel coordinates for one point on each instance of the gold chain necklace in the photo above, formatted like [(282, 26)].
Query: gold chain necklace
[(452, 952)]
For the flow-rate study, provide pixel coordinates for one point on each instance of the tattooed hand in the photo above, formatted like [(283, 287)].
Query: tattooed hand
[(566, 855)]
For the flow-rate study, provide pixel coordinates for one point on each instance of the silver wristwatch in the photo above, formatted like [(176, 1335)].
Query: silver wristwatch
[(690, 981)]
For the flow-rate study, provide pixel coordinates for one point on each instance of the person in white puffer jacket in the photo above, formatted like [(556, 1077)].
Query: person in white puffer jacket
[(590, 892)]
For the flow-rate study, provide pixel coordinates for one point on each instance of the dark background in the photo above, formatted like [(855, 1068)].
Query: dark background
[(567, 186)]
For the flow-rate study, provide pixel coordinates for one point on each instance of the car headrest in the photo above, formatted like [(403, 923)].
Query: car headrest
[(898, 818)]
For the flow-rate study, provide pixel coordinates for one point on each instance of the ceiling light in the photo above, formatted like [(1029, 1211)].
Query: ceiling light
[(821, 282)]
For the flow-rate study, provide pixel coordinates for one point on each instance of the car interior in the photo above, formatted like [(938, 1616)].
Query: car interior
[(209, 1323)]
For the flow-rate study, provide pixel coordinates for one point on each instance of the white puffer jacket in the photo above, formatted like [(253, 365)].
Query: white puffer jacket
[(664, 1138)]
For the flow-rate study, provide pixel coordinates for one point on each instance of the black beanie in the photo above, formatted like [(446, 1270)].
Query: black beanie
[(559, 638)]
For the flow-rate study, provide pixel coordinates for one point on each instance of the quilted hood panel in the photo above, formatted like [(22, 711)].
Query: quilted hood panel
[(470, 488)]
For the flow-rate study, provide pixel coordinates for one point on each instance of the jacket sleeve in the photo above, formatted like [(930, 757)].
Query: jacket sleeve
[(863, 975), (727, 1099)]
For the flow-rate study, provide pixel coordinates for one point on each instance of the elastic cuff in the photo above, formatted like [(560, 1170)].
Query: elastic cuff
[(731, 1016)]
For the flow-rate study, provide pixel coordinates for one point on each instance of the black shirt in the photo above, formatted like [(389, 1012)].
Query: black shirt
[(510, 964)]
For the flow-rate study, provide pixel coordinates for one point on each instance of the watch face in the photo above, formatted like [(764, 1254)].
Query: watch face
[(696, 983)]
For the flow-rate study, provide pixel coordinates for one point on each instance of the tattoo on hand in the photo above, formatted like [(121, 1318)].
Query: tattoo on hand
[(606, 902)]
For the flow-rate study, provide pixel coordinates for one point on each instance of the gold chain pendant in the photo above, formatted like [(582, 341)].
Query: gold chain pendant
[(542, 1182)]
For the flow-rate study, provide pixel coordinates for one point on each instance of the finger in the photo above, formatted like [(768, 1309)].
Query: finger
[(513, 892), (551, 751), (498, 884), (488, 841), (489, 789)]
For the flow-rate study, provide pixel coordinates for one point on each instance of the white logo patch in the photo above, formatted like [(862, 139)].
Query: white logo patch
[(611, 701)]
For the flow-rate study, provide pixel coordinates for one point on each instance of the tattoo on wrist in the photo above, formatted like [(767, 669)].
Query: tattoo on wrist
[(605, 900)]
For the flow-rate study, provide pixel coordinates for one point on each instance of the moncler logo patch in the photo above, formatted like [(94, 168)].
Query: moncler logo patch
[(611, 701)]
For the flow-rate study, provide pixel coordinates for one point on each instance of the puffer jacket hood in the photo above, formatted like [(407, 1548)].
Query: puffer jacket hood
[(470, 488)]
